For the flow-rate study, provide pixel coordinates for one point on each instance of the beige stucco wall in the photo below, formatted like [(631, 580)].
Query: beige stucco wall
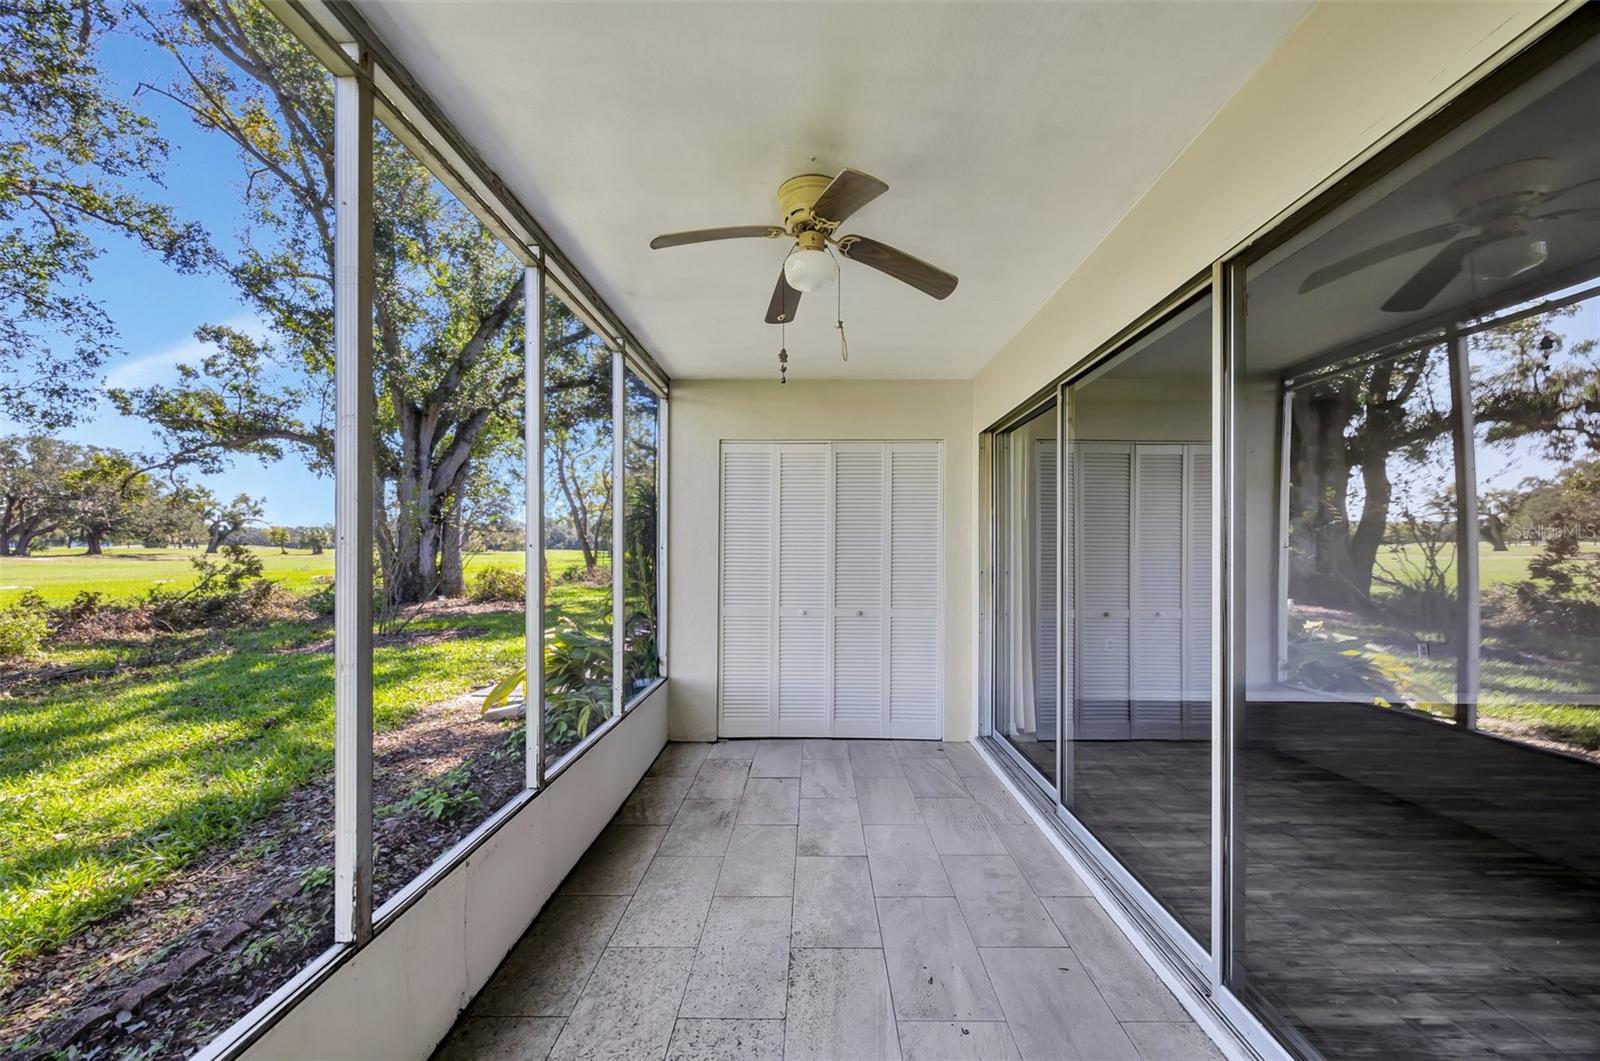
[(1347, 76), (706, 413)]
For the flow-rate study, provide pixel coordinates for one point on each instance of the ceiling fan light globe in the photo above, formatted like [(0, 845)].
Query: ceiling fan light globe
[(1505, 258), (809, 270)]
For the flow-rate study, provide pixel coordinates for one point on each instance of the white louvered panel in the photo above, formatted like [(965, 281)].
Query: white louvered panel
[(1045, 566), (746, 529), (858, 676), (803, 527), (1104, 531), (1157, 634), (1197, 605), (858, 526), (913, 525), (802, 676), (914, 669), (1159, 553), (1103, 679), (745, 678)]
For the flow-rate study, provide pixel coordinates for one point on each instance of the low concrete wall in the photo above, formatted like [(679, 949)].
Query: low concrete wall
[(399, 996)]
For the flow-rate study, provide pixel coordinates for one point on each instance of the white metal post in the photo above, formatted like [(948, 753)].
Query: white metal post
[(352, 638), (663, 573), (533, 519), (619, 432)]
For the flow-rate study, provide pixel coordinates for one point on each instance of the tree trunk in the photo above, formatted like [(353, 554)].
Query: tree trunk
[(578, 510), (1494, 532), (91, 543), (452, 570), (316, 548), (214, 540)]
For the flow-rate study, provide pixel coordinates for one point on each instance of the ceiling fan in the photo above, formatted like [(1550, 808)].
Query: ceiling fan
[(1495, 233), (812, 207)]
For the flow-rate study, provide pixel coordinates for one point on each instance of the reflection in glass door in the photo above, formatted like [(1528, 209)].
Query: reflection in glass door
[(1138, 604), (1027, 548)]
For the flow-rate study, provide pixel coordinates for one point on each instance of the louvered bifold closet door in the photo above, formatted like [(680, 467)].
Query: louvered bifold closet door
[(1197, 598), (802, 580), (1158, 593), (1045, 564), (859, 637), (1104, 554), (915, 666), (745, 674)]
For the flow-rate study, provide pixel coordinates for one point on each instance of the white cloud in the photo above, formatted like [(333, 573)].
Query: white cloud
[(161, 366)]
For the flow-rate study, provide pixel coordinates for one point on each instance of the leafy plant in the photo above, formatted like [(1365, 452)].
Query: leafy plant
[(497, 584), (22, 632), (448, 797)]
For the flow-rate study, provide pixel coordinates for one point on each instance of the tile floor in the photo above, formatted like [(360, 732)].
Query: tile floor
[(829, 900)]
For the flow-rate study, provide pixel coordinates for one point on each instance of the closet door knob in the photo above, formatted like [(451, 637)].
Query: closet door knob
[(860, 612)]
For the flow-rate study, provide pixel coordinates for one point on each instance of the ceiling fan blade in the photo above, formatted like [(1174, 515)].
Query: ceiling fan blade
[(1577, 213), (929, 279), (1426, 237), (707, 235), (1426, 283), (847, 193), (1559, 192), (785, 302)]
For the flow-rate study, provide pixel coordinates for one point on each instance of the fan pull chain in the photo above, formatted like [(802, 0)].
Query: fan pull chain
[(783, 353), (838, 309)]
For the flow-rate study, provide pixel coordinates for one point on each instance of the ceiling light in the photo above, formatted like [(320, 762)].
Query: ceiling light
[(809, 270), (1505, 258)]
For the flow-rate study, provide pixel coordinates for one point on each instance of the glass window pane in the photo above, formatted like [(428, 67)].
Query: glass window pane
[(1138, 592), (1416, 776), (1026, 551), (578, 493), (449, 617), (166, 495), (640, 516)]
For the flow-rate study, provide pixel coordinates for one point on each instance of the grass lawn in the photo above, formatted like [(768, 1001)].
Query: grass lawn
[(111, 783), (1494, 568)]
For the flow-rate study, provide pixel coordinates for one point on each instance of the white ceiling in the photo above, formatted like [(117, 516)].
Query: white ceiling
[(1012, 136)]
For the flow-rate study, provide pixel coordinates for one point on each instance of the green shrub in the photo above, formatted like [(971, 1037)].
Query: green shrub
[(22, 631), (497, 584)]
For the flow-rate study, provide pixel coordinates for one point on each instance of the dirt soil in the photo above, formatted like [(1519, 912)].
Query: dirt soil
[(188, 957)]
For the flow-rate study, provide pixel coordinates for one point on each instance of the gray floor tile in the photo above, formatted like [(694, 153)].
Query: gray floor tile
[(679, 760), (833, 904), (996, 802), (777, 758), (918, 749), (933, 778), (1000, 908), (1171, 1041), (825, 748), (544, 972), (669, 909), (830, 827), (887, 801), (770, 801), (760, 861), (1047, 872), (839, 1007), (703, 1039), (959, 827), (1129, 985), (1052, 1006), (928, 1040), (500, 1039), (733, 749), (741, 967), (615, 862), (653, 801), (629, 1007), (702, 827), (719, 779), (827, 779), (904, 861), (934, 968), (966, 760), (875, 759)]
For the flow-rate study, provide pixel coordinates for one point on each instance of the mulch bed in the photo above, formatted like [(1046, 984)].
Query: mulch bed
[(189, 956)]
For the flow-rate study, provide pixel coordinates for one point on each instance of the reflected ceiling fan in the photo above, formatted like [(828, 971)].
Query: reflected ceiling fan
[(812, 207), (1495, 233)]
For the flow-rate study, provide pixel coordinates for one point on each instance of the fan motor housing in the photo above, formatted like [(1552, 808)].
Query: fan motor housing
[(797, 195)]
